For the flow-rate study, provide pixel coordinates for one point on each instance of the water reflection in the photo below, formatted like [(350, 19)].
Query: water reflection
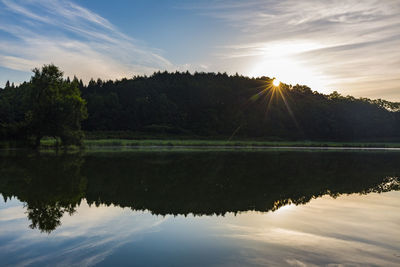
[(182, 183)]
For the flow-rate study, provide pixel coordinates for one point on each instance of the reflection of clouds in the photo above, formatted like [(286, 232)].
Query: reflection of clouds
[(336, 249), (12, 213), (352, 229), (85, 238)]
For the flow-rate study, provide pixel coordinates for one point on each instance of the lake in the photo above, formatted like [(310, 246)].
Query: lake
[(200, 207)]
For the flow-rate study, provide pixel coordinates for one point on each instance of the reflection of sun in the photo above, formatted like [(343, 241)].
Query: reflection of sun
[(276, 82), (284, 208)]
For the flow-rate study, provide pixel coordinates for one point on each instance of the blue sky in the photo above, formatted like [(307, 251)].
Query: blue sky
[(349, 46)]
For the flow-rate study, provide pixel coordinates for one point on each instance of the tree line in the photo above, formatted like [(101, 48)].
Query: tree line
[(180, 103)]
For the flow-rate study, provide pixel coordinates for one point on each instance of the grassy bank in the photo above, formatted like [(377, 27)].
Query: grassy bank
[(221, 143)]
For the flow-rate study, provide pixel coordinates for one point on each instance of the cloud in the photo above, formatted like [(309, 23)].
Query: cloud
[(346, 45), (340, 45), (81, 42)]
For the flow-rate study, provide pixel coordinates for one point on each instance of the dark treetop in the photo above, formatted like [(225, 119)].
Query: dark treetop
[(200, 104)]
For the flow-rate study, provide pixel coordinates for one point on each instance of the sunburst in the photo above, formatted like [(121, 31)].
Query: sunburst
[(275, 89), (276, 82)]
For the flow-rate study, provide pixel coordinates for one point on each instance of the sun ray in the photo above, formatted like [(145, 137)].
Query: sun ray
[(274, 89)]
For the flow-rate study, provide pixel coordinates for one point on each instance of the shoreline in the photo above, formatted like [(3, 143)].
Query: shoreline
[(215, 144), (223, 144)]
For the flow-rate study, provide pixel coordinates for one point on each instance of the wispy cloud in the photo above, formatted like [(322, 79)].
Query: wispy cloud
[(78, 40), (346, 45), (350, 46)]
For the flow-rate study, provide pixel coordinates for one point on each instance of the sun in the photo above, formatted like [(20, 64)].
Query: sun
[(276, 82)]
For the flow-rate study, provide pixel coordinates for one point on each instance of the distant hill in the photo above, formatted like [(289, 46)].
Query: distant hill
[(218, 105)]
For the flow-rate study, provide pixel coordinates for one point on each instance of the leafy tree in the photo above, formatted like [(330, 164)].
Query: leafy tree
[(7, 85), (57, 108)]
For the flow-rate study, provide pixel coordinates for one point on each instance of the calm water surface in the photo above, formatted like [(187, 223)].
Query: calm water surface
[(200, 208)]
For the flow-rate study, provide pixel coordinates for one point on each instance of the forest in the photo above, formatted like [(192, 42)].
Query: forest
[(201, 105)]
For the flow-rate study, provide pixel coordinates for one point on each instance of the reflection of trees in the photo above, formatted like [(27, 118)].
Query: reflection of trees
[(49, 185), (216, 183), (201, 183), (47, 217), (387, 184)]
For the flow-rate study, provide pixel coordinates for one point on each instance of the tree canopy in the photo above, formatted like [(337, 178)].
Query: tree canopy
[(50, 106), (211, 105)]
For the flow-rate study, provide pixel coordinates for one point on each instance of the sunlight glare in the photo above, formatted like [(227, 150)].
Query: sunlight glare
[(276, 82), (286, 61)]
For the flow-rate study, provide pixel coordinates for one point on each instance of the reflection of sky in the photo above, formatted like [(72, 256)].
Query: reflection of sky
[(354, 229)]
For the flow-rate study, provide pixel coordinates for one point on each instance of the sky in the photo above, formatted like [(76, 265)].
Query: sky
[(349, 46)]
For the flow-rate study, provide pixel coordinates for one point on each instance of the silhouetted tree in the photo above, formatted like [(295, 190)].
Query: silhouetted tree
[(57, 108)]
